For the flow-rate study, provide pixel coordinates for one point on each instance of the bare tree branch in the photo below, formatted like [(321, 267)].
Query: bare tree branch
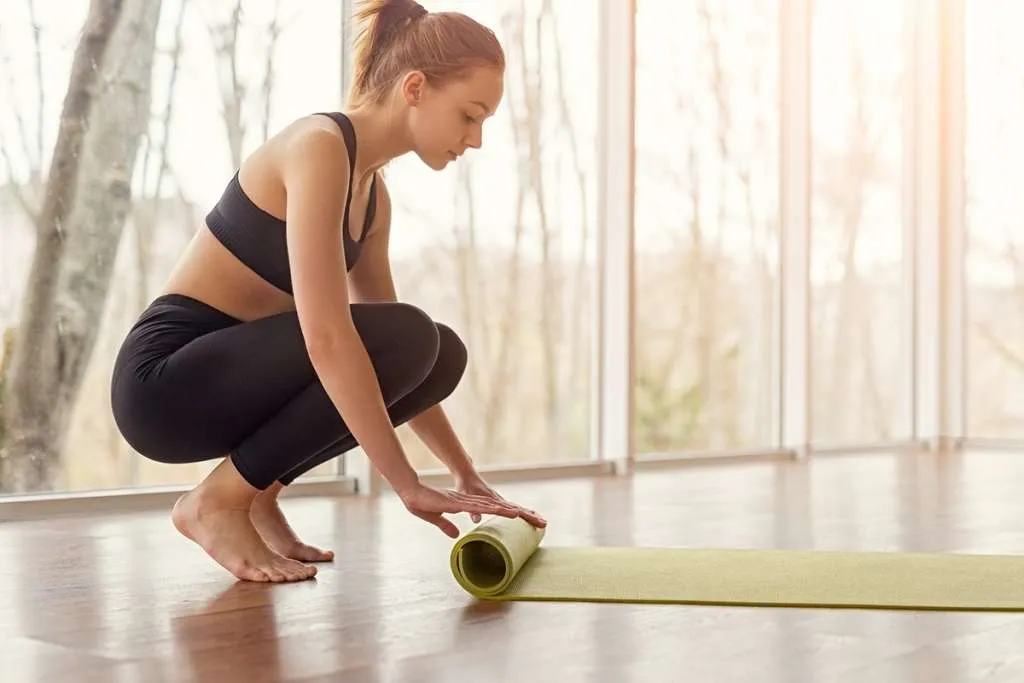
[(876, 402), (579, 284), (1005, 352), (274, 31), (37, 45), (19, 119), (707, 267), (551, 290), (507, 336), (846, 191), (18, 187), (15, 188), (471, 296), (147, 215), (232, 90)]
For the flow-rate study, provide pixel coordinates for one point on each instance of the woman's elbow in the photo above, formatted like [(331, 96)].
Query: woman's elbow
[(326, 341)]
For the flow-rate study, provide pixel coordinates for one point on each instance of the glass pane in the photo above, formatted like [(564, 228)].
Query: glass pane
[(857, 257), (707, 239), (500, 245), (995, 243), (210, 104)]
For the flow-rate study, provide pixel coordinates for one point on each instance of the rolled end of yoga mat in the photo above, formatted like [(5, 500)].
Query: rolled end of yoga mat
[(486, 559)]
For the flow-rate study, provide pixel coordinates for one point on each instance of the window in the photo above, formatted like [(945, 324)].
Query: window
[(994, 172), (212, 103), (707, 243), (857, 260), (500, 245)]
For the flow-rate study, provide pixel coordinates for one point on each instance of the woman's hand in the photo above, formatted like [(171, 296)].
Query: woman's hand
[(474, 485), (430, 504)]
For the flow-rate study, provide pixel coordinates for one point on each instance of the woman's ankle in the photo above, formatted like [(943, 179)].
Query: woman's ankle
[(268, 496), (225, 483)]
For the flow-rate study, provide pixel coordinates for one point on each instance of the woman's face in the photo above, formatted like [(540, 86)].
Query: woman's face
[(447, 120)]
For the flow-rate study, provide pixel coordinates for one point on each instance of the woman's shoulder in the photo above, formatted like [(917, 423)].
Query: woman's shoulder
[(314, 129), (312, 144)]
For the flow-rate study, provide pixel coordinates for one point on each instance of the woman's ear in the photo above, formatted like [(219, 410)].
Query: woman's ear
[(414, 86)]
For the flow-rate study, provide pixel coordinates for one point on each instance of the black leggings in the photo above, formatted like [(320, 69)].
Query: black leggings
[(191, 383)]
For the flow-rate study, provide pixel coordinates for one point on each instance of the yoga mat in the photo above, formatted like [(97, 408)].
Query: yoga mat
[(501, 559)]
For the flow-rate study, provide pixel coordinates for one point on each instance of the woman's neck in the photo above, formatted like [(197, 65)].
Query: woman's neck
[(381, 134)]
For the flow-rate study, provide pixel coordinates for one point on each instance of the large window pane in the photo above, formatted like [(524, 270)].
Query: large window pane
[(706, 223), (500, 245), (212, 103), (857, 259), (995, 242)]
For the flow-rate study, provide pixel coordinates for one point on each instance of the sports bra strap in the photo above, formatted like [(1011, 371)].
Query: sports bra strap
[(349, 133)]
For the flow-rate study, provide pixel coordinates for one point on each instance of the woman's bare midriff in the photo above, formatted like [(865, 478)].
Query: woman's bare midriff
[(207, 271)]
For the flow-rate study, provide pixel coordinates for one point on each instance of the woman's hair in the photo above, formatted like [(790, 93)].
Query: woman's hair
[(398, 36)]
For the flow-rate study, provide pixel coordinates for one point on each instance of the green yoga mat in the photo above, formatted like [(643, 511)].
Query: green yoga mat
[(501, 559)]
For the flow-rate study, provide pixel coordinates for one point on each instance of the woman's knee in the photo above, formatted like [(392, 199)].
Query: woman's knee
[(452, 356), (418, 338), (426, 348), (416, 324)]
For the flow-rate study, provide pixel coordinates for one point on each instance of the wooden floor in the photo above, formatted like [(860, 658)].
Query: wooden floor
[(122, 598)]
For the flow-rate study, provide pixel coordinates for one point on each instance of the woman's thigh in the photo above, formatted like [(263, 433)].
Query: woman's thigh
[(206, 397)]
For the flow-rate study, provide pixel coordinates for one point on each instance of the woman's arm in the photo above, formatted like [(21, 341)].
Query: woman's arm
[(314, 167), (371, 280)]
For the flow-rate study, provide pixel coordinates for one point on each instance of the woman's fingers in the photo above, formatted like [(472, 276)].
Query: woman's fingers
[(452, 502), (534, 519), (475, 504), (431, 505), (441, 522)]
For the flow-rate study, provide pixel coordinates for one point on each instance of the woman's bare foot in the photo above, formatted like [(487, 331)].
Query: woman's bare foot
[(215, 515), (270, 522)]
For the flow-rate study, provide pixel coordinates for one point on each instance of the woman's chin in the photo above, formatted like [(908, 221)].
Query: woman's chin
[(438, 162)]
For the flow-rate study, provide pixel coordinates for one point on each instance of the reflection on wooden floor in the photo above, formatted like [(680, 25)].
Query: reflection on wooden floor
[(121, 598)]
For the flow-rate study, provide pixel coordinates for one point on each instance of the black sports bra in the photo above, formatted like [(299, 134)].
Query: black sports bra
[(258, 239)]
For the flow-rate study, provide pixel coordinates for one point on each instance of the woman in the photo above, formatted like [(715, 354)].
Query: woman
[(278, 341)]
